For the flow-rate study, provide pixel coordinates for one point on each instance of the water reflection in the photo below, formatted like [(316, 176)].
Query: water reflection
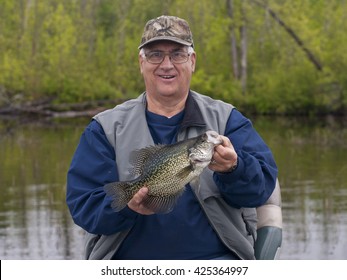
[(33, 229), (35, 223), (311, 155)]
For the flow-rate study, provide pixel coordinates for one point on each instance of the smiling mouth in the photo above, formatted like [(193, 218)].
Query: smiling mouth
[(167, 77)]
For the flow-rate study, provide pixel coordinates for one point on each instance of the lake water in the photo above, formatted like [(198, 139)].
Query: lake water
[(35, 224)]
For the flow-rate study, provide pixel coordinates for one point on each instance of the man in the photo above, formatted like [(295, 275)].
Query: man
[(215, 220)]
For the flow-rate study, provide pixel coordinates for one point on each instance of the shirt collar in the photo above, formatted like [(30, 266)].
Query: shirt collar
[(192, 116)]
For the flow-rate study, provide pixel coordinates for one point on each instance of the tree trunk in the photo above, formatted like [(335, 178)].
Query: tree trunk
[(243, 33), (233, 42)]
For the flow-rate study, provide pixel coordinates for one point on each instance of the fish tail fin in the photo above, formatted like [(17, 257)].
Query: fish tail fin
[(120, 194)]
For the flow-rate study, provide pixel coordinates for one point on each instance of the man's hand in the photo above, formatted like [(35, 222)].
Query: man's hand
[(136, 203), (224, 158)]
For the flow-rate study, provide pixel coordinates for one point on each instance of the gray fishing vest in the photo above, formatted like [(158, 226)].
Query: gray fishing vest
[(126, 129)]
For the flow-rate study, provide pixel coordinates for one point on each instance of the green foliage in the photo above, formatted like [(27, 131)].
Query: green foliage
[(81, 50)]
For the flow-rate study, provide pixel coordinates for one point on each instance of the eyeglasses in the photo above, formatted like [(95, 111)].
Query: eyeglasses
[(157, 57)]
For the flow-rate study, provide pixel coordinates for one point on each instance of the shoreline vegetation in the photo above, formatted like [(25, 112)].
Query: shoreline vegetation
[(50, 110), (62, 58), (47, 109)]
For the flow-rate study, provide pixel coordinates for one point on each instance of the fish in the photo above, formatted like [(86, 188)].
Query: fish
[(164, 170)]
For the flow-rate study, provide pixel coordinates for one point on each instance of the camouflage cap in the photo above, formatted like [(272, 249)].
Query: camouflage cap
[(167, 28)]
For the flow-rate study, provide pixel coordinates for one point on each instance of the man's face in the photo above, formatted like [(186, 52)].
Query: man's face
[(167, 79)]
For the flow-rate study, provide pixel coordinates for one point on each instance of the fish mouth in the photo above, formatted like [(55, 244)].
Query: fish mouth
[(198, 160), (201, 161)]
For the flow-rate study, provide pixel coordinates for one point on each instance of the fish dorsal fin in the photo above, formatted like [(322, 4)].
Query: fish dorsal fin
[(140, 156), (162, 204)]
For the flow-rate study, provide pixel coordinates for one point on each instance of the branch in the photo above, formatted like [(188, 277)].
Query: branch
[(291, 33)]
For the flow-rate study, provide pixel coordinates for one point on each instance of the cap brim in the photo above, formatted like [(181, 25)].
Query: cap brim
[(166, 38)]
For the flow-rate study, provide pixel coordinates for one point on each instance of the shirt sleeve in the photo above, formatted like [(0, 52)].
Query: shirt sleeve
[(253, 180), (93, 165)]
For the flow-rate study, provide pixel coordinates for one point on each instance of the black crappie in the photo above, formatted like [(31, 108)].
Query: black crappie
[(165, 170)]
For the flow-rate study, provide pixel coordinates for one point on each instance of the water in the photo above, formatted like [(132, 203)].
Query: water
[(35, 223)]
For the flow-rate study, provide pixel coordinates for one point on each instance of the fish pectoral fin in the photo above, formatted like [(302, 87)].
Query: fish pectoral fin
[(162, 204), (184, 172), (120, 194)]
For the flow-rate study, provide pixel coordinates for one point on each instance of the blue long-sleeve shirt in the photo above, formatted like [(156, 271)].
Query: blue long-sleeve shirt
[(178, 234)]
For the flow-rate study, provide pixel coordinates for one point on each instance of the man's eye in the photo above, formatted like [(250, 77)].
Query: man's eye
[(177, 54), (155, 54)]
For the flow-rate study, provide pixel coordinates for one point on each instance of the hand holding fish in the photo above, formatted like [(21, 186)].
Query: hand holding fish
[(224, 158), (136, 203)]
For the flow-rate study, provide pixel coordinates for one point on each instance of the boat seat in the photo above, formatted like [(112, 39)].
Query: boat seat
[(269, 227)]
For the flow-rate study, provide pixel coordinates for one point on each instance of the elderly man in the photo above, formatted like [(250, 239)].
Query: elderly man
[(214, 220)]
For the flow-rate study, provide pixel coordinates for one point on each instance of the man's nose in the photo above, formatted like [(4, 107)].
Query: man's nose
[(167, 60)]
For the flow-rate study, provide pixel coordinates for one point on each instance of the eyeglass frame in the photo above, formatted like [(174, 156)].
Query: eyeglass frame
[(190, 51)]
